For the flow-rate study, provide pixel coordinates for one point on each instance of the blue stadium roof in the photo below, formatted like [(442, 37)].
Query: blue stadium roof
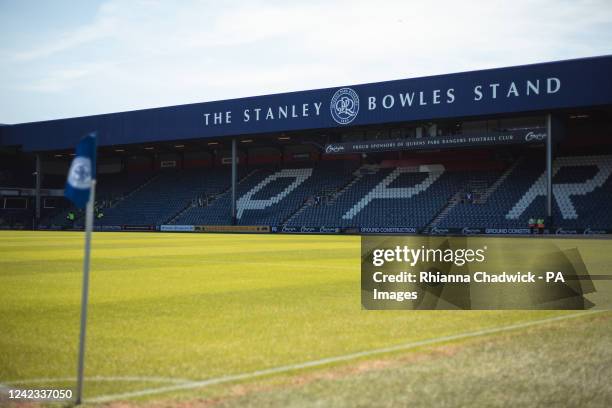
[(528, 88)]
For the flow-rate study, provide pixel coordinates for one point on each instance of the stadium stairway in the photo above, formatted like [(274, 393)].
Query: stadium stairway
[(192, 212), (484, 197), (455, 199), (479, 184), (330, 198)]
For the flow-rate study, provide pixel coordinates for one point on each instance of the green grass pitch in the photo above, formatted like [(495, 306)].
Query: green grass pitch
[(172, 308)]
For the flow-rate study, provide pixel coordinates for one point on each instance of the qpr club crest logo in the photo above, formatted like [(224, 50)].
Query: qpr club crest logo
[(79, 175), (344, 106)]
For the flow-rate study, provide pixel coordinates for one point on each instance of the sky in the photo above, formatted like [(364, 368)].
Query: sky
[(61, 58)]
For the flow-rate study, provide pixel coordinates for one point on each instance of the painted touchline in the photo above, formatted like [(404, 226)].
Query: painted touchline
[(329, 360)]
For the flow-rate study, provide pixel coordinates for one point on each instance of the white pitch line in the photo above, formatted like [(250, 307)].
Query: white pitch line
[(329, 360)]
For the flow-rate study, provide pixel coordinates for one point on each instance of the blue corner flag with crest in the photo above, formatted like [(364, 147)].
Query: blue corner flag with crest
[(82, 172)]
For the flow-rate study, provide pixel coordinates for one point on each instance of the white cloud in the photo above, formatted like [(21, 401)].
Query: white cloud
[(102, 28), (137, 54), (64, 78)]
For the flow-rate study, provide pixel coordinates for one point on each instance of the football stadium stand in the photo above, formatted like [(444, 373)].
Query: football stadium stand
[(341, 194), (471, 152)]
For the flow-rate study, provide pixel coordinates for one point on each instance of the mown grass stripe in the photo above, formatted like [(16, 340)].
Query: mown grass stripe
[(330, 360)]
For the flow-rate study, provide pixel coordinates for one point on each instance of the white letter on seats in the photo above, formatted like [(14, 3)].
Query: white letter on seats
[(563, 191), (246, 203), (383, 191)]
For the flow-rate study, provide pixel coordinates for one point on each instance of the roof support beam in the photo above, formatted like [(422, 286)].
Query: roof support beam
[(234, 164)]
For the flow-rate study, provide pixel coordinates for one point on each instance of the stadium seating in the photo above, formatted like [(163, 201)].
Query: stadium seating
[(56, 218), (110, 188), (387, 197), (16, 218), (164, 195), (339, 194), (270, 196), (582, 190)]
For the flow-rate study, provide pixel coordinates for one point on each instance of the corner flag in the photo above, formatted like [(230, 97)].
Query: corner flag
[(81, 190), (82, 172)]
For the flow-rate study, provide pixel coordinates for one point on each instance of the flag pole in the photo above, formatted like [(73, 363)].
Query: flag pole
[(89, 218)]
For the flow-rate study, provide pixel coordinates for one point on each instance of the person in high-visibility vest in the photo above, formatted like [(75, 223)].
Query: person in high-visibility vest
[(541, 225), (71, 217), (532, 225)]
